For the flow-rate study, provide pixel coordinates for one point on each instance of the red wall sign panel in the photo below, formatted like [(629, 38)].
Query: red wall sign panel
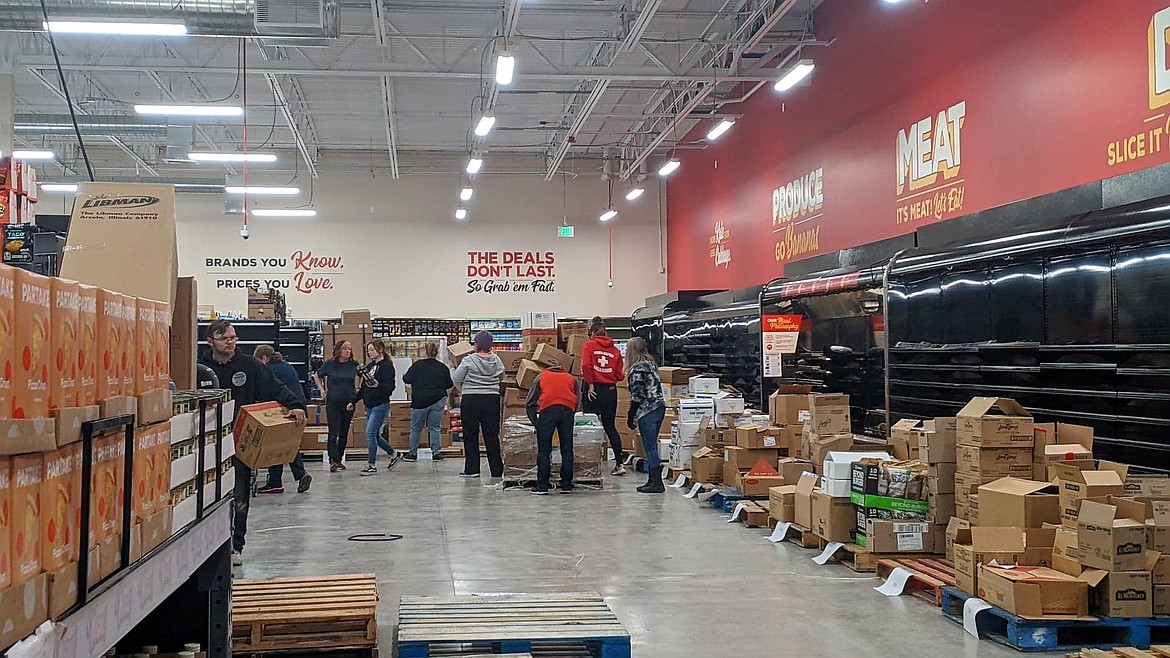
[(921, 112)]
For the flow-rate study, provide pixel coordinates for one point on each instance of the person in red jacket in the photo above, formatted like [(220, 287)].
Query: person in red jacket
[(550, 404), (601, 367)]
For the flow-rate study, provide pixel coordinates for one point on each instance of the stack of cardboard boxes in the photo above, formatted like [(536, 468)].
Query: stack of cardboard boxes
[(537, 329), (266, 304), (994, 439), (828, 427)]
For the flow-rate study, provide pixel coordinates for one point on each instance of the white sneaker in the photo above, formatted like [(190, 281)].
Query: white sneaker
[(237, 559), (618, 470)]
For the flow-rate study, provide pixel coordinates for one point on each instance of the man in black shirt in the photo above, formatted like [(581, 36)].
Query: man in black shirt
[(250, 381)]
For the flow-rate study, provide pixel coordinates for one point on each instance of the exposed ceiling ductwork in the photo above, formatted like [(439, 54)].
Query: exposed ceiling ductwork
[(225, 18)]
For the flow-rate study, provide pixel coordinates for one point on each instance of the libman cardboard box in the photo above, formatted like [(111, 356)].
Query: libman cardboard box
[(802, 497), (64, 325), (7, 338), (60, 507), (1021, 503), (994, 423), (1035, 592), (897, 537), (782, 503), (1109, 538), (266, 436), (33, 347), (87, 345), (5, 523), (110, 330), (789, 405), (27, 475), (1010, 546), (1078, 485)]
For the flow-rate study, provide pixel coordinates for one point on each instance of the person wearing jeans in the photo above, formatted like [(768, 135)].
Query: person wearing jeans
[(429, 381), (647, 408), (479, 375), (550, 404), (378, 382), (287, 375)]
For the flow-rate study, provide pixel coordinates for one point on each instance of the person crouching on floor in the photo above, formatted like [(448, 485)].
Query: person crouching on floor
[(551, 403)]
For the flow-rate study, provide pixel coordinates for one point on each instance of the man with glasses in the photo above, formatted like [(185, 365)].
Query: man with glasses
[(250, 381)]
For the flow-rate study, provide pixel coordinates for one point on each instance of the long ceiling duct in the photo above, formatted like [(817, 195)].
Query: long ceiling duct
[(51, 124), (223, 18)]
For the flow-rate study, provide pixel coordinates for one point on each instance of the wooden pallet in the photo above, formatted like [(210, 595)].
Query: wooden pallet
[(1123, 652), (509, 623), (305, 614), (799, 535), (859, 559), (928, 576)]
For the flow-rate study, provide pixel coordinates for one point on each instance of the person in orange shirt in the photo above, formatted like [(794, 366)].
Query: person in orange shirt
[(550, 404)]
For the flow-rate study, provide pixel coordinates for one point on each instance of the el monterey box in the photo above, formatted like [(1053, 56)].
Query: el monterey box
[(27, 475), (129, 351), (33, 346), (63, 327), (109, 341), (1108, 542), (994, 423), (59, 507), (146, 374), (87, 345), (266, 436)]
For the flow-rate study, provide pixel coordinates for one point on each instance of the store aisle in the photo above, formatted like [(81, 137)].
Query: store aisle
[(684, 582)]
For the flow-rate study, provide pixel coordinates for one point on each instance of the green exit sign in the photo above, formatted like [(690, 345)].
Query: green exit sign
[(564, 231)]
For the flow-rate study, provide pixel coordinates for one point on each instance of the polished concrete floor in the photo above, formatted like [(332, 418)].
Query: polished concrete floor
[(683, 581)]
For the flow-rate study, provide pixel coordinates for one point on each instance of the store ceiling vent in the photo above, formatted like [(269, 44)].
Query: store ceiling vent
[(276, 16)]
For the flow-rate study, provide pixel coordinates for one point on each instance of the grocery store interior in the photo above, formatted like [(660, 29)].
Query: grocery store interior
[(842, 321)]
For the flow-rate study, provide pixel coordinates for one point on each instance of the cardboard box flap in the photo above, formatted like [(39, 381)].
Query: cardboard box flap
[(762, 468), (1120, 469), (1102, 478), (794, 389), (806, 484), (1068, 472), (1129, 509), (704, 452), (1078, 434), (983, 406), (959, 530), (1098, 514), (906, 424), (1093, 576), (1017, 486), (1067, 452)]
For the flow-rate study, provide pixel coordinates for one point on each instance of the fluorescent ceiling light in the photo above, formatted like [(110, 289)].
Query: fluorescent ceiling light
[(505, 68), (284, 212), (795, 75), (720, 128), (103, 27), (35, 154), (669, 167), (260, 189), (634, 193), (474, 165), (58, 187), (485, 125), (465, 194), (232, 157), (461, 213), (191, 110), (608, 215)]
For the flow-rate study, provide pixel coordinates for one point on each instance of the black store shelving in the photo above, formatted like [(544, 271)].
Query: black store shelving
[(720, 340), (1070, 322), (291, 342)]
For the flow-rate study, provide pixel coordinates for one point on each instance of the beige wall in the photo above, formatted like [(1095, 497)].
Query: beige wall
[(403, 255)]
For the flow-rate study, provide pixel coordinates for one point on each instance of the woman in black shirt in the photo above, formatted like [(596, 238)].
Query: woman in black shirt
[(336, 378)]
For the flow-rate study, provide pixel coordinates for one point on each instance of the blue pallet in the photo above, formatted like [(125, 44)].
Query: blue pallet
[(1053, 634), (725, 499), (602, 648)]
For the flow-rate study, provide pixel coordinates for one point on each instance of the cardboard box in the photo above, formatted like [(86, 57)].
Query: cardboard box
[(7, 342), (833, 518), (129, 346), (757, 486), (1066, 552), (702, 384), (145, 373), (782, 503), (675, 376), (865, 514), (994, 463), (1161, 600), (462, 349), (938, 446), (23, 607), (745, 459), (1107, 541), (758, 436), (942, 507), (940, 478), (789, 405), (28, 436), (549, 356), (68, 420), (60, 507), (146, 462), (1123, 593), (958, 532), (265, 436), (1161, 572), (791, 469), (844, 466), (5, 523), (1020, 503), (155, 406), (162, 466), (831, 420), (1077, 485), (27, 475), (994, 423), (835, 488), (1147, 485), (1034, 592), (110, 328), (107, 485), (184, 333), (802, 495), (899, 537), (33, 346), (527, 374), (62, 590), (575, 343), (817, 447), (64, 321), (974, 546), (160, 345), (727, 403), (357, 316), (707, 466)]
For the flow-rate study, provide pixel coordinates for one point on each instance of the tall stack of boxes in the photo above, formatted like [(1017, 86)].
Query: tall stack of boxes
[(18, 192), (994, 439), (938, 450), (828, 428), (537, 329)]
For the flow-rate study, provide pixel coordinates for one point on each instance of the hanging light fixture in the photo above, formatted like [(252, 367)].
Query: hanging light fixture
[(505, 67), (794, 75), (466, 193), (461, 214), (635, 192), (717, 131), (669, 167), (474, 165), (486, 122)]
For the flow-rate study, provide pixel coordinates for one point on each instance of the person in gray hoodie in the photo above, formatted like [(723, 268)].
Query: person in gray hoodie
[(479, 376)]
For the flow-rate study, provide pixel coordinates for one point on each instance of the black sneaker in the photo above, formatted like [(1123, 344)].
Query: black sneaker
[(469, 475), (539, 492), (411, 456), (369, 470), (304, 483), (394, 459), (566, 491), (271, 489), (437, 456)]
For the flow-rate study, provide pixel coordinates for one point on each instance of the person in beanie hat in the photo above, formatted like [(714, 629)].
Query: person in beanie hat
[(479, 376)]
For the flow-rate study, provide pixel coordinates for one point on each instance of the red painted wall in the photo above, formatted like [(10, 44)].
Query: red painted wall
[(1047, 86)]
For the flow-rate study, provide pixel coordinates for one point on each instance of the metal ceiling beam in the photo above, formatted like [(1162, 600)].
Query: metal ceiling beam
[(132, 66), (391, 126), (306, 146)]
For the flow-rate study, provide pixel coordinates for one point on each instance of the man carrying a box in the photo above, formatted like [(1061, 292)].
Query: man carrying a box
[(550, 404), (250, 381)]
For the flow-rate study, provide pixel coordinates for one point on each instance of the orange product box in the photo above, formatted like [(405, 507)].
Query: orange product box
[(7, 339), (87, 346), (77, 455), (5, 523), (104, 517), (146, 373), (109, 339), (27, 474), (129, 349), (63, 328), (33, 346), (60, 497), (162, 467), (162, 344), (144, 497)]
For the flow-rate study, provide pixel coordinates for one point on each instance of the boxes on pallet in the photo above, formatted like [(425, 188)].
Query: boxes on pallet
[(1034, 592), (1076, 485), (990, 464), (1124, 593), (833, 518), (897, 537), (789, 405), (1030, 547), (987, 422), (829, 413), (1109, 537)]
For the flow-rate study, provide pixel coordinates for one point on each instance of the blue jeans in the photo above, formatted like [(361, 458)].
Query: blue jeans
[(431, 417), (375, 418), (276, 473), (649, 426)]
